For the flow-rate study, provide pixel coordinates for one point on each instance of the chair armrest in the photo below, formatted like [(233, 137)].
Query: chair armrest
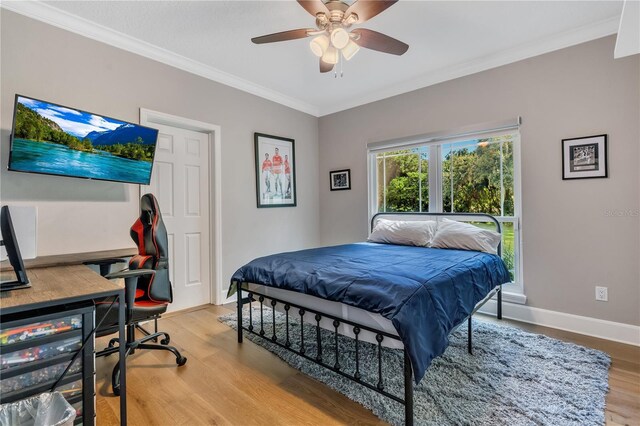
[(105, 264), (107, 261), (134, 273), (130, 284)]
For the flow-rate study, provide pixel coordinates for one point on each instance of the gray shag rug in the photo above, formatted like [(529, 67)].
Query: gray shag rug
[(512, 378)]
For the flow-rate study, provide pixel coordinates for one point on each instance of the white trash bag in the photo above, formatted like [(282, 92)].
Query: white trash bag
[(46, 409)]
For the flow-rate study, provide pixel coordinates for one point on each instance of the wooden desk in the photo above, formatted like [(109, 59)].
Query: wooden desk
[(61, 285)]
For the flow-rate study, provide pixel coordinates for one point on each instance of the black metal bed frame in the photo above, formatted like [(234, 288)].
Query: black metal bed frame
[(357, 329)]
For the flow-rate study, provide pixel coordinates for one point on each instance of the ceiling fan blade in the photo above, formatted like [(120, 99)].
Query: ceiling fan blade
[(367, 9), (283, 36), (314, 6), (325, 66), (377, 41)]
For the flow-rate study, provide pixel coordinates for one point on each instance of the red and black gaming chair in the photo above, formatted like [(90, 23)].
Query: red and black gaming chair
[(147, 288)]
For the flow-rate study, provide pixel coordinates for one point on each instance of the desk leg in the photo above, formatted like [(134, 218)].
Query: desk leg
[(122, 341)]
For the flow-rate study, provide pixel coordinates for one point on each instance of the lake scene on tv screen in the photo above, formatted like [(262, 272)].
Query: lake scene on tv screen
[(48, 138)]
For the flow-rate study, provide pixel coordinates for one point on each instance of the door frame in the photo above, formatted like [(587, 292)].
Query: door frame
[(149, 117)]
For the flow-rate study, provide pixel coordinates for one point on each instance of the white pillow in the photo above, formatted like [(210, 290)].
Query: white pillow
[(406, 233), (464, 236)]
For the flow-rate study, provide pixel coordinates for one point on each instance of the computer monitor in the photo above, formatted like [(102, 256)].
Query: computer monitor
[(10, 243)]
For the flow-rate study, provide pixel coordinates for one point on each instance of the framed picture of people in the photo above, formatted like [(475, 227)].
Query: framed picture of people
[(275, 171), (585, 157)]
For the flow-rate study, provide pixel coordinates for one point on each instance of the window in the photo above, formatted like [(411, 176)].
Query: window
[(472, 174)]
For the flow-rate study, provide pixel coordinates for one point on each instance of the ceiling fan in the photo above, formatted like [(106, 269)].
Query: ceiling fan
[(332, 38)]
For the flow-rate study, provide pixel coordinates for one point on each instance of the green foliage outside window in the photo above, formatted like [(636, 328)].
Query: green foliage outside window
[(405, 180), (474, 175)]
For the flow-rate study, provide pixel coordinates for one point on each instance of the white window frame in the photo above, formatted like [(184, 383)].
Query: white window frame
[(434, 141)]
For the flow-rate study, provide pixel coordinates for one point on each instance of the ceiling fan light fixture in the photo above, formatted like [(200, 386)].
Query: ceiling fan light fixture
[(319, 45), (339, 38), (350, 50), (331, 55)]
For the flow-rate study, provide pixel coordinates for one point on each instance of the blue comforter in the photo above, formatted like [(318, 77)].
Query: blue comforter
[(424, 292)]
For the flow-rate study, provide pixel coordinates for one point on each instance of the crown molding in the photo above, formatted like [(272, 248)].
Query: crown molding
[(73, 23), (43, 12), (538, 47)]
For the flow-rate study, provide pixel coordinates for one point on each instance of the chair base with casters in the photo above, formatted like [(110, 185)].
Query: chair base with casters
[(133, 344), (135, 314)]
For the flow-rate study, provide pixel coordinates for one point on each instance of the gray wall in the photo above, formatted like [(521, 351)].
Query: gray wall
[(45, 62), (570, 243)]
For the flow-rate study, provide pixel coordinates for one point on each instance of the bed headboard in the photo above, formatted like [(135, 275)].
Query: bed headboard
[(460, 217)]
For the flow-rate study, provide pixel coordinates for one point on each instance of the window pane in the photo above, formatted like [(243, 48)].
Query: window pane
[(424, 179), (447, 160), (402, 181), (380, 184), (508, 248), (476, 176), (507, 173)]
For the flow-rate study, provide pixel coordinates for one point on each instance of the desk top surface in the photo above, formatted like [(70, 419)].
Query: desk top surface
[(57, 285), (70, 258)]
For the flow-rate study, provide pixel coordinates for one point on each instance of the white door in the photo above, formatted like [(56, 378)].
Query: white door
[(180, 182)]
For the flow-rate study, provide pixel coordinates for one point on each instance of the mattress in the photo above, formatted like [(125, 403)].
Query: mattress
[(337, 309)]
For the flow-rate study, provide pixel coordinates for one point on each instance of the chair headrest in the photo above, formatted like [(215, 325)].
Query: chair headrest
[(148, 209), (149, 232)]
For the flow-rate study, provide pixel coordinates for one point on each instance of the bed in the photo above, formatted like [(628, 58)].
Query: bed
[(391, 295)]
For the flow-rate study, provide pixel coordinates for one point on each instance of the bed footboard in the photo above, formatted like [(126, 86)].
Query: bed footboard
[(324, 355), (321, 357), (327, 357)]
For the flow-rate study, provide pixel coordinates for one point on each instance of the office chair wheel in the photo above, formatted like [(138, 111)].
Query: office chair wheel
[(115, 380), (165, 341), (181, 361)]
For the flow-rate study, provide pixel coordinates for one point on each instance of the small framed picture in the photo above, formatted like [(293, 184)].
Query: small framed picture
[(584, 158), (340, 179), (275, 171)]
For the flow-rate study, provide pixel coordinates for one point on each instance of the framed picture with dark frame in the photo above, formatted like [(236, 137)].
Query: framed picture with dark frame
[(585, 157), (340, 180), (275, 171)]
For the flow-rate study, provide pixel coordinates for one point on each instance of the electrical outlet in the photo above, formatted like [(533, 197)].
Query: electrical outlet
[(602, 294)]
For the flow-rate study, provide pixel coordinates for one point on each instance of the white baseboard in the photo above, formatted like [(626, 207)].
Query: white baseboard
[(609, 330)]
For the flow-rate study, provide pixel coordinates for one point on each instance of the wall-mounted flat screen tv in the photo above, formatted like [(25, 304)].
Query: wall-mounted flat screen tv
[(52, 139)]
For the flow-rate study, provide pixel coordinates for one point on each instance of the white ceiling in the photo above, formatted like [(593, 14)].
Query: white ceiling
[(447, 39)]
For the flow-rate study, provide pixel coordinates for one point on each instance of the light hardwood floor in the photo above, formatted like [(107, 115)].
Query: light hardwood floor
[(227, 383)]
